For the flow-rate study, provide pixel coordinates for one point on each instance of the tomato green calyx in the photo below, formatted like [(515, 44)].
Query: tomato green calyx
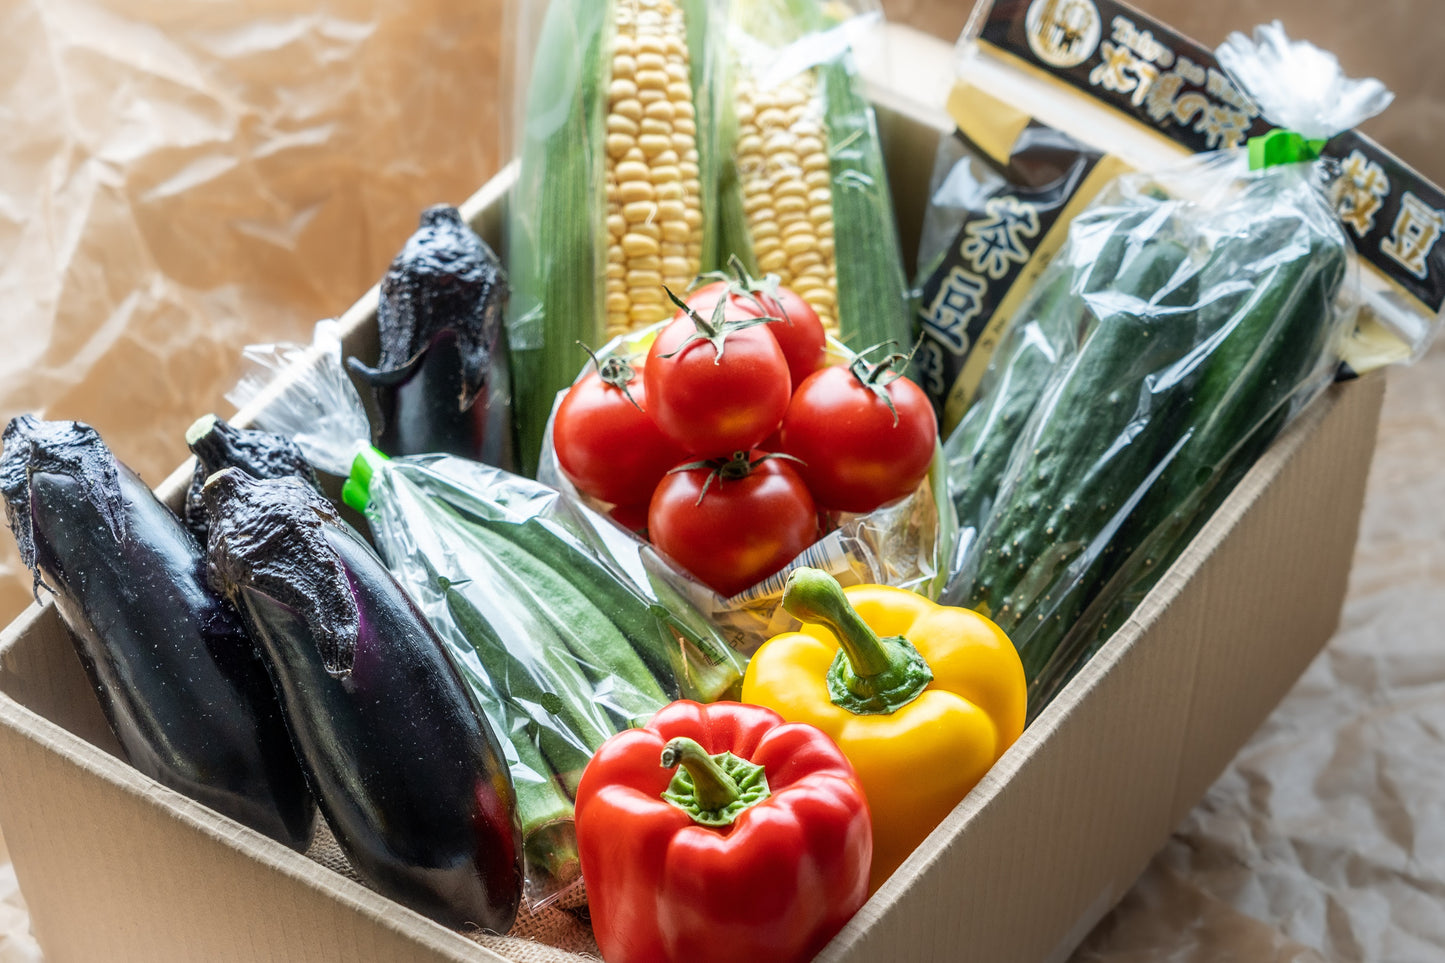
[(877, 376), (742, 284), (736, 468), (713, 330), (713, 790), (617, 372), (870, 675)]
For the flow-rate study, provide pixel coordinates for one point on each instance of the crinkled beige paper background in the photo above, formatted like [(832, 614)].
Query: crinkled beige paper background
[(180, 179)]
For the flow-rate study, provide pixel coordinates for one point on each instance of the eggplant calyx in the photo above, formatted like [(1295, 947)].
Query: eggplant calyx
[(445, 280), (268, 536), (217, 444), (736, 468), (69, 448), (713, 330)]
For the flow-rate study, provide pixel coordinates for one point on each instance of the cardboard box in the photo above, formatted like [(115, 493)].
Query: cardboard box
[(117, 867)]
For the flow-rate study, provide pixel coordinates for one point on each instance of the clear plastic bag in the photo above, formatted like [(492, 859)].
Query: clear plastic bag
[(904, 543), (532, 593), (1190, 316), (1050, 103)]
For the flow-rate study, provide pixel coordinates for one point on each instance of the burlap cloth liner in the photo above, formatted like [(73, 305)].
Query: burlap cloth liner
[(557, 933)]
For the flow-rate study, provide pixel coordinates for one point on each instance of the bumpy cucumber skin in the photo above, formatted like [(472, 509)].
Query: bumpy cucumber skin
[(1277, 343), (980, 449), (1254, 345), (1097, 435)]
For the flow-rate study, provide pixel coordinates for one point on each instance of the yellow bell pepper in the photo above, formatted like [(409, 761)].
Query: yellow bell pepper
[(922, 698)]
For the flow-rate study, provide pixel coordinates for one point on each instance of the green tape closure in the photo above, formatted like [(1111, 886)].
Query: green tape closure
[(356, 491), (1282, 147)]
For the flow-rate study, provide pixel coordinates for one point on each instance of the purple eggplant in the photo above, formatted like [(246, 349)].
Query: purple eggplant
[(443, 382), (407, 771), (180, 682), (261, 454)]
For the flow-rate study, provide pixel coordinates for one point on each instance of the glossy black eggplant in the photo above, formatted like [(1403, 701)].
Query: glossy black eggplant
[(443, 381), (179, 680), (260, 454), (407, 771)]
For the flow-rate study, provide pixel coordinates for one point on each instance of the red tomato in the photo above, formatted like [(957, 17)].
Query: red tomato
[(755, 517), (715, 388), (800, 333), (631, 517), (610, 448), (855, 455)]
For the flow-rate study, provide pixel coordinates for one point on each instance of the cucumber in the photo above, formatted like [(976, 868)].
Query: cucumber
[(1108, 496), (1265, 353), (979, 449), (1095, 435)]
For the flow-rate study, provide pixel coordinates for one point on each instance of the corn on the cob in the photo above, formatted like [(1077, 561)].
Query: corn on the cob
[(803, 193), (783, 170), (615, 191), (654, 192)]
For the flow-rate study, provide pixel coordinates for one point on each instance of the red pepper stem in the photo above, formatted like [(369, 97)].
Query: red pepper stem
[(713, 788), (815, 596)]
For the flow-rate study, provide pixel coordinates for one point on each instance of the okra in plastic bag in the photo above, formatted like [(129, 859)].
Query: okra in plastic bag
[(1191, 314), (904, 543), (803, 194), (558, 645)]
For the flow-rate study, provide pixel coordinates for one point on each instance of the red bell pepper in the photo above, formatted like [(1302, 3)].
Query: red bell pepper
[(757, 848)]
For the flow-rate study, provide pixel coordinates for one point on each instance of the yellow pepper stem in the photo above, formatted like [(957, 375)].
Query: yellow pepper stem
[(870, 675)]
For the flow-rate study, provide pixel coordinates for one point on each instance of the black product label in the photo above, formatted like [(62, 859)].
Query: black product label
[(1142, 68), (995, 242), (1393, 215), (1124, 58)]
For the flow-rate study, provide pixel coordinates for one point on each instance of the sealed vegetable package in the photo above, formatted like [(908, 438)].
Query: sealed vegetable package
[(531, 593), (1191, 313), (1052, 100)]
